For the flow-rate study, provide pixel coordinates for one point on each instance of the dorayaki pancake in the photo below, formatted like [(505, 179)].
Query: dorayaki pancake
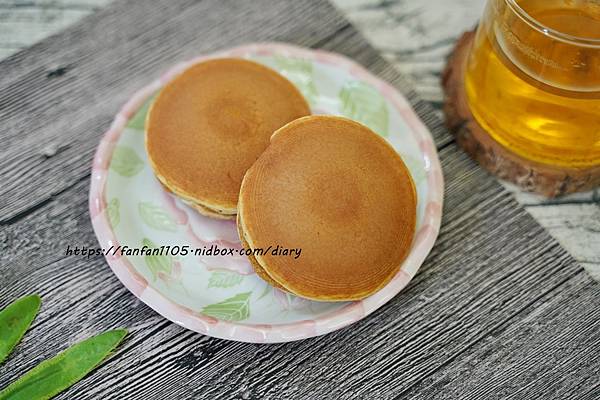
[(200, 208), (209, 124), (257, 267), (341, 193)]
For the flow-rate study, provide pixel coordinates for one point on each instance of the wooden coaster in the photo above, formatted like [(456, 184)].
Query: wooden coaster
[(529, 175)]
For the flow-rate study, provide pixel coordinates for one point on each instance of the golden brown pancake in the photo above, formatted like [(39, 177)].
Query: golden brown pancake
[(209, 212), (341, 193), (209, 124), (200, 208), (257, 267)]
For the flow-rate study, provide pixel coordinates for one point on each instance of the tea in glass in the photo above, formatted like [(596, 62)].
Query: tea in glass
[(533, 79)]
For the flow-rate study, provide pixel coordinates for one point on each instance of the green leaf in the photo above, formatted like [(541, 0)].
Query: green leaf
[(15, 319), (112, 211), (236, 308), (157, 263), (298, 65), (224, 279), (52, 376), (300, 72), (156, 217), (139, 119), (362, 103), (126, 162)]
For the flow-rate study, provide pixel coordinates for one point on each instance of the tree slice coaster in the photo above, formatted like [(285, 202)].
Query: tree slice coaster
[(471, 136)]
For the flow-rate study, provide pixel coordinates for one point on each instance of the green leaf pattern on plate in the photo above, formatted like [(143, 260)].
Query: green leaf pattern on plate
[(15, 319), (155, 217), (266, 291), (52, 376), (157, 263), (221, 293), (300, 72), (415, 167), (138, 121), (236, 308), (224, 279), (126, 162), (361, 102), (112, 211)]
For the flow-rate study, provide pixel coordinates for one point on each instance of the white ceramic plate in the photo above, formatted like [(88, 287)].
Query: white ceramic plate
[(221, 296)]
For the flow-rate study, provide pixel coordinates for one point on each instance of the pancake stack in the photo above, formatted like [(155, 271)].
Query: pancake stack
[(232, 137), (341, 193), (209, 124)]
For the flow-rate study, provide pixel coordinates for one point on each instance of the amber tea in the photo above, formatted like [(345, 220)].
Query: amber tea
[(533, 79)]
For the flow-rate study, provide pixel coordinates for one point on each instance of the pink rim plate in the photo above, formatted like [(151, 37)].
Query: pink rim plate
[(264, 333)]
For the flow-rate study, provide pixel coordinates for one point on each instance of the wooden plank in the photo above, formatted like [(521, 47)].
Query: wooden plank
[(24, 22), (503, 365), (579, 226), (42, 5), (410, 35), (492, 266), (69, 112), (415, 37)]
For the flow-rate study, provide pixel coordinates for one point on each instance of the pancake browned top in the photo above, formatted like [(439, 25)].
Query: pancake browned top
[(342, 194), (209, 124)]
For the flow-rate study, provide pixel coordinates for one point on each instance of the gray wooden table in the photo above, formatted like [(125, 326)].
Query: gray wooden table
[(499, 309), (415, 36)]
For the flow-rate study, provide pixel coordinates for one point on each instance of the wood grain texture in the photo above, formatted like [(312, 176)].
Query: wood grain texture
[(75, 107), (489, 313), (24, 22), (459, 302), (577, 224), (414, 36)]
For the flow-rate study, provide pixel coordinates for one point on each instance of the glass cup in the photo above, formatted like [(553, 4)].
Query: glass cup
[(533, 79)]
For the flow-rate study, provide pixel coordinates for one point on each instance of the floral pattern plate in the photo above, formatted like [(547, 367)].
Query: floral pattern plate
[(221, 296)]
